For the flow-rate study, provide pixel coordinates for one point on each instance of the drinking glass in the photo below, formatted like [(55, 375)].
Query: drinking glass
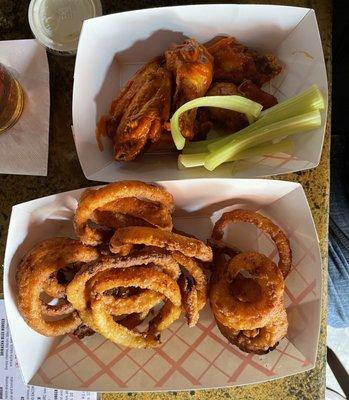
[(11, 99)]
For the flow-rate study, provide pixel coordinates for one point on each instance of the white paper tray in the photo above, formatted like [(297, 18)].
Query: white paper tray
[(113, 47), (193, 358)]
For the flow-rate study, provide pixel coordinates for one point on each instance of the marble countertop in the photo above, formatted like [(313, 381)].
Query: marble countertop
[(65, 174)]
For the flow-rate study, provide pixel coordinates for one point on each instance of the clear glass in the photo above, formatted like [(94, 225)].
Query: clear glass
[(11, 99)]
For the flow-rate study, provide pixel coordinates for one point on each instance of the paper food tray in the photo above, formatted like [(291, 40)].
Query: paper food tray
[(113, 47), (190, 358)]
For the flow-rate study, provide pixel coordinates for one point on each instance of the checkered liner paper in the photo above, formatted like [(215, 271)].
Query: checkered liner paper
[(200, 357), (189, 358)]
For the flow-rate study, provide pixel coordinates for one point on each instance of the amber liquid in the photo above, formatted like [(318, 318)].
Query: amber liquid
[(11, 100)]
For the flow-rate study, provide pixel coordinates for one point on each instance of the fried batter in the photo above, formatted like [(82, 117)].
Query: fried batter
[(230, 310), (78, 290), (43, 260), (266, 225), (193, 285), (137, 115), (234, 62), (145, 278), (105, 197), (192, 66), (261, 340), (142, 235)]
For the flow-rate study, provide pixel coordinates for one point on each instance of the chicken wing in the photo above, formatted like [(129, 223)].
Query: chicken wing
[(228, 120), (137, 115), (253, 92), (231, 121), (235, 62), (192, 67)]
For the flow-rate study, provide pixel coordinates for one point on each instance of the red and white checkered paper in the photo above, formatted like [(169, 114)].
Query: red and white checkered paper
[(199, 357)]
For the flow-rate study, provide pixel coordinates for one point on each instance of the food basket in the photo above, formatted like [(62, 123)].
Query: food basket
[(113, 47), (189, 358)]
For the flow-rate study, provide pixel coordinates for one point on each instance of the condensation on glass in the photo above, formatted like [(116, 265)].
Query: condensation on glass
[(11, 99)]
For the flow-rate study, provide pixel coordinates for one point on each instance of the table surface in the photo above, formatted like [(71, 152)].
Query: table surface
[(65, 173)]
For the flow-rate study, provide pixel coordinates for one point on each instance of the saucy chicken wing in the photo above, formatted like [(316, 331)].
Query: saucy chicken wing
[(228, 120), (231, 121), (234, 62), (192, 67), (251, 91), (137, 115)]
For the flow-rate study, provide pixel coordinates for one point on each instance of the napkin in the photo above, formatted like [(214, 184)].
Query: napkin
[(24, 147)]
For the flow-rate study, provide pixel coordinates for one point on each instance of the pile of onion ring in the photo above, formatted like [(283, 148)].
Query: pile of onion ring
[(130, 275), (247, 288)]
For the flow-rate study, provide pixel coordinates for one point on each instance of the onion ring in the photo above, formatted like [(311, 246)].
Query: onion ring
[(131, 321), (94, 199), (109, 221), (62, 308), (218, 247), (155, 214), (194, 294), (56, 285), (263, 223), (195, 270), (169, 313), (78, 289), (82, 331), (43, 260), (190, 247), (232, 312), (143, 277), (261, 340), (189, 300), (137, 303)]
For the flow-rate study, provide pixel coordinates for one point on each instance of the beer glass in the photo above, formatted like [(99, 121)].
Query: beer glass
[(11, 99)]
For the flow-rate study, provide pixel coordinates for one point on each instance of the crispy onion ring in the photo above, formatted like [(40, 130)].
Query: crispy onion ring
[(193, 289), (143, 277), (138, 303), (263, 223), (261, 340), (232, 312), (171, 268), (219, 248), (82, 331), (169, 313), (189, 300), (95, 199), (194, 268), (131, 321), (56, 284), (62, 308), (107, 221), (43, 260), (78, 289), (155, 214), (125, 238)]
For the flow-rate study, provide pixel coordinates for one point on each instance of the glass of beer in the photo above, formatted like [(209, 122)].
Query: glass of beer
[(11, 99)]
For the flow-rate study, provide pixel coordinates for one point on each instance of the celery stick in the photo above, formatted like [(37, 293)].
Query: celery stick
[(290, 126), (198, 147), (307, 101), (284, 146), (304, 102), (198, 160), (191, 160)]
